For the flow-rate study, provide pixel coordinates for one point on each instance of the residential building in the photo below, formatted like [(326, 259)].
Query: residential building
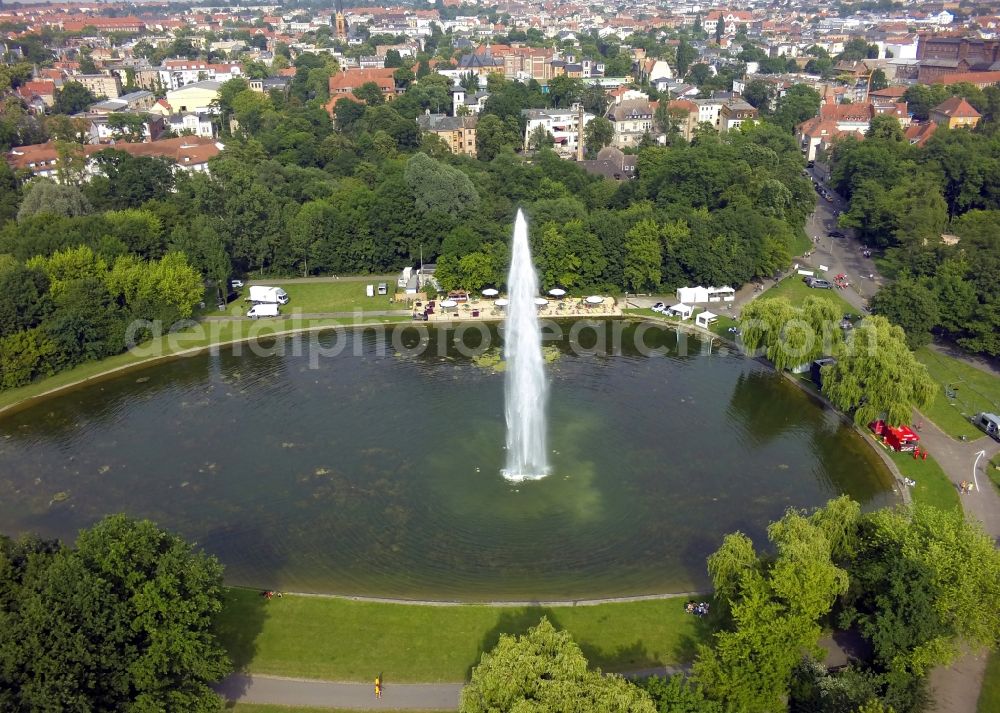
[(191, 124), (684, 115), (101, 132), (188, 153), (133, 101), (460, 98), (457, 132), (177, 73), (709, 111), (481, 64), (101, 85), (564, 125), (611, 163), (40, 92), (918, 134), (734, 113), (954, 113), (269, 84), (632, 119), (347, 81), (197, 97), (526, 63)]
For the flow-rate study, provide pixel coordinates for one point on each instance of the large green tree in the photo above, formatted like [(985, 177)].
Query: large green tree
[(544, 670), (122, 622), (72, 98)]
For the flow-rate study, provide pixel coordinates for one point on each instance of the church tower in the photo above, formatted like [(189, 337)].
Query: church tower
[(340, 24)]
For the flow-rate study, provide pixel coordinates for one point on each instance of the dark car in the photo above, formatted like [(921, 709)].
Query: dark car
[(837, 234)]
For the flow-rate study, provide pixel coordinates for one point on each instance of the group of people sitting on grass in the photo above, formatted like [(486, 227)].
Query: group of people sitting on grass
[(696, 608)]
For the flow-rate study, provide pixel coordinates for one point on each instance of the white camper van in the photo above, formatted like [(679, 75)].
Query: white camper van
[(268, 309), (383, 288), (370, 290), (262, 294)]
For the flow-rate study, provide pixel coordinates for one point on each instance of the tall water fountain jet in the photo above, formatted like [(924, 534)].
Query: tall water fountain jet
[(525, 388)]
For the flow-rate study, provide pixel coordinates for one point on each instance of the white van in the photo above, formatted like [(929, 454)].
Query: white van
[(263, 310), (383, 289), (370, 290)]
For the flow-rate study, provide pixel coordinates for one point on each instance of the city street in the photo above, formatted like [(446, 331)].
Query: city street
[(840, 255)]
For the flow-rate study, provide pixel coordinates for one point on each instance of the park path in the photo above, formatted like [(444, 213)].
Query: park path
[(955, 689), (278, 690)]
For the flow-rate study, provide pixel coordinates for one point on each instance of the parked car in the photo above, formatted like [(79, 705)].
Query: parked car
[(658, 307), (837, 234), (818, 284), (237, 284), (829, 198)]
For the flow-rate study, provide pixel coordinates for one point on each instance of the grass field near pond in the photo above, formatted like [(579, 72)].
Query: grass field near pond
[(963, 391), (795, 291), (319, 297), (345, 640), (933, 486), (989, 694)]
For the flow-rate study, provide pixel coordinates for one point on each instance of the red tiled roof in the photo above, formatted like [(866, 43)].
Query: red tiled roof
[(956, 107), (977, 78), (184, 150), (351, 79), (918, 134)]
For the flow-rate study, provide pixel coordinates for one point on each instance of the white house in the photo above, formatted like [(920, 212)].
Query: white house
[(563, 124), (195, 124)]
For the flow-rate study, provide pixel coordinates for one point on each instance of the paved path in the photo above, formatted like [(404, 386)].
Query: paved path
[(334, 694), (955, 689)]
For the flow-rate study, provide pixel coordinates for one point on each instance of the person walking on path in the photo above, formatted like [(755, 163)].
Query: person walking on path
[(378, 686)]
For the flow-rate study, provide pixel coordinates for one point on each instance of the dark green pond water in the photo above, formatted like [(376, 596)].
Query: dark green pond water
[(377, 472)]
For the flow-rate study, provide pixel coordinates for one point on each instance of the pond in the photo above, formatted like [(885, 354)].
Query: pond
[(376, 471)]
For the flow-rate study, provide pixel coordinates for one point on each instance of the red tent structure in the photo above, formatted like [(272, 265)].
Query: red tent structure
[(900, 438)]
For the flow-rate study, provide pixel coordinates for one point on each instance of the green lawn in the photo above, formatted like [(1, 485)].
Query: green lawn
[(795, 291), (340, 639), (974, 391), (719, 327), (201, 335), (933, 486), (989, 695), (315, 297), (266, 708)]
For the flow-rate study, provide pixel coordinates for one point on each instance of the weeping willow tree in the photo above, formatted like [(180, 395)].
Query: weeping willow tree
[(790, 335), (877, 376)]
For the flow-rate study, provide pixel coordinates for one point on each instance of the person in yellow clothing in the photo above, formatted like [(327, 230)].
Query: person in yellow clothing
[(378, 686)]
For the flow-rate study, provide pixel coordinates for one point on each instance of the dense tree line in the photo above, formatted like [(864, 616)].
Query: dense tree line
[(915, 584), (903, 198), (122, 621), (295, 193)]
